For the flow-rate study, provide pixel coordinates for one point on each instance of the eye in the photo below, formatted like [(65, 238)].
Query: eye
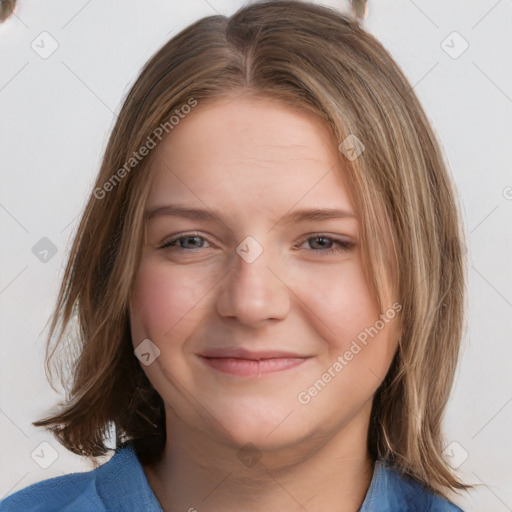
[(184, 242), (324, 244), (329, 245)]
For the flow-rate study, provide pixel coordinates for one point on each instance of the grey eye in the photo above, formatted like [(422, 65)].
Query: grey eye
[(359, 8), (6, 9)]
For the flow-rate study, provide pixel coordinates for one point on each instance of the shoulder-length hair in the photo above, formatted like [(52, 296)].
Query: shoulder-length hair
[(309, 57)]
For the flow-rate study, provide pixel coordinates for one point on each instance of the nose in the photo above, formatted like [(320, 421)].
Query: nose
[(255, 292)]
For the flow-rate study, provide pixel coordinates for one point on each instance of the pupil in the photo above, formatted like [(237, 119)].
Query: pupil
[(188, 239), (319, 239)]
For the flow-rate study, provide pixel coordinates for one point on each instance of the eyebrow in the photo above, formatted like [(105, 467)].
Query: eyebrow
[(315, 214)]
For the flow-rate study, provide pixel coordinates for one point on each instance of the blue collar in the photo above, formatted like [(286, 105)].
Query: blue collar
[(388, 491)]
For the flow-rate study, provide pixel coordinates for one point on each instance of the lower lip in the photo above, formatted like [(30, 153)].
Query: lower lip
[(251, 367)]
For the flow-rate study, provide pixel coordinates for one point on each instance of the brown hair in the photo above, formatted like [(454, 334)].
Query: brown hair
[(310, 57)]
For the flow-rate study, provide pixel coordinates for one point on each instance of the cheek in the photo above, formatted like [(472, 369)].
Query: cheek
[(163, 299), (340, 300), (345, 312)]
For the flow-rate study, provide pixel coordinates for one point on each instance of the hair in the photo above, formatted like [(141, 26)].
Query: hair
[(312, 58)]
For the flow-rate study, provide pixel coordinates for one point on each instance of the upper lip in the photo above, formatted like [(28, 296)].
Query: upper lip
[(242, 353)]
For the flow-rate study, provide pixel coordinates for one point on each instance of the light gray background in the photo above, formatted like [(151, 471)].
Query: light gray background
[(56, 114)]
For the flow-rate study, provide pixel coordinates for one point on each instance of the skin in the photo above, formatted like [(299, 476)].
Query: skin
[(256, 161)]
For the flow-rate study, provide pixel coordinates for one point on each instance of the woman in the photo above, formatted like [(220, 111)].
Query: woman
[(268, 282)]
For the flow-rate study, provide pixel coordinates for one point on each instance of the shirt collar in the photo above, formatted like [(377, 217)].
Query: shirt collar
[(388, 491), (126, 474)]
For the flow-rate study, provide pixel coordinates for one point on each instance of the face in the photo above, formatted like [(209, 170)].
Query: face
[(258, 308)]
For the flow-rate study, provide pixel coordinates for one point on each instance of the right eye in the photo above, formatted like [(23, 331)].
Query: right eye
[(183, 241)]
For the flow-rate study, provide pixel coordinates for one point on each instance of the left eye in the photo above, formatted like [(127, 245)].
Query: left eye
[(336, 246)]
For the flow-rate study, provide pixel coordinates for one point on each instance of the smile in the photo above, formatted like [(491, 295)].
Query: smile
[(252, 367)]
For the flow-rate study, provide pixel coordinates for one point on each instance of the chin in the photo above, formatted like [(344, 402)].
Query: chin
[(267, 431)]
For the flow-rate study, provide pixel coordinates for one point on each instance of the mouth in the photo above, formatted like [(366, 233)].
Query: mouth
[(253, 365)]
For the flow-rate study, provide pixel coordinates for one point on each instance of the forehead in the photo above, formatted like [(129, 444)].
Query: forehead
[(250, 152)]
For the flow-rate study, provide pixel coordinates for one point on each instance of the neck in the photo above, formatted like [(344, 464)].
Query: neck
[(316, 474)]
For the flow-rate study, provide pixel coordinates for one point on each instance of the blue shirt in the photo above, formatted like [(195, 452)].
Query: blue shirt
[(121, 485)]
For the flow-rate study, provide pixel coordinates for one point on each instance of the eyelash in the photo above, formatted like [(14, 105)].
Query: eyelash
[(340, 246)]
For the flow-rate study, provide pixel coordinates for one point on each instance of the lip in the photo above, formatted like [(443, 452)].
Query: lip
[(242, 353), (241, 362), (252, 367)]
